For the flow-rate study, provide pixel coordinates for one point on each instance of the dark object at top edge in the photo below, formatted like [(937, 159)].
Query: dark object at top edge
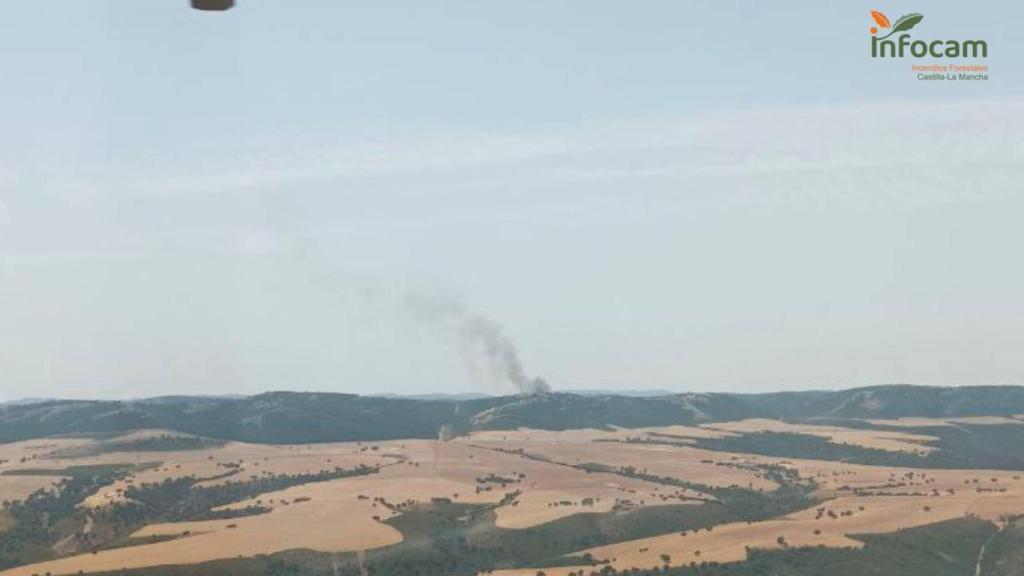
[(213, 5)]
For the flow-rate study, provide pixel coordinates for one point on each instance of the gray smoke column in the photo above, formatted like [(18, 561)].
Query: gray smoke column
[(482, 340)]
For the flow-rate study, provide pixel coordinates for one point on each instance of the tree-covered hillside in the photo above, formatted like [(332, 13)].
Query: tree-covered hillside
[(294, 417)]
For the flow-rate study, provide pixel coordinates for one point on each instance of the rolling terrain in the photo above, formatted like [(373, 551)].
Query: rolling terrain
[(293, 417), (882, 480)]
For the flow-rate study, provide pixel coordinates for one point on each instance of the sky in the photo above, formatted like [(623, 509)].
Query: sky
[(325, 195)]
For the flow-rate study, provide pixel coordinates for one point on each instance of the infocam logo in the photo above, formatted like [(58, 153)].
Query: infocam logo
[(903, 45)]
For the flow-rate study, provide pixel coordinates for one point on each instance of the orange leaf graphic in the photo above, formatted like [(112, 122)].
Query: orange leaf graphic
[(880, 18)]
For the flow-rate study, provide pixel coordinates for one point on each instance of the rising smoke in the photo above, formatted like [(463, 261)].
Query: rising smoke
[(482, 341)]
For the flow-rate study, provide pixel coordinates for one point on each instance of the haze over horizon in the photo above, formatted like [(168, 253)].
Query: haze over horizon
[(232, 203), (609, 391)]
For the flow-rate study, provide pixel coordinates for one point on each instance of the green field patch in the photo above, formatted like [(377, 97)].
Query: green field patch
[(88, 471)]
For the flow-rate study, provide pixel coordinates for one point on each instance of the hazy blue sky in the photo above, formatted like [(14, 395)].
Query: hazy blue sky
[(669, 194)]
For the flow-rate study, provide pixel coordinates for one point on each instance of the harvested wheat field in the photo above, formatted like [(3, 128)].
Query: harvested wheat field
[(588, 435), (929, 422), (857, 499), (241, 460), (829, 524), (672, 461), (17, 487), (876, 439), (338, 527), (344, 497), (18, 457), (348, 514)]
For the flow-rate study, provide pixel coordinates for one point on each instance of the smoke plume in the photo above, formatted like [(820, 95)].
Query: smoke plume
[(482, 341)]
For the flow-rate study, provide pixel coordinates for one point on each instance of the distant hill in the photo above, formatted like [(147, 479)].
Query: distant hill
[(438, 396), (24, 401), (892, 401), (634, 393), (299, 417)]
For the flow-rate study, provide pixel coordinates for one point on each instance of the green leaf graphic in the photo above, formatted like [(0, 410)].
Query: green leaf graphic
[(905, 22)]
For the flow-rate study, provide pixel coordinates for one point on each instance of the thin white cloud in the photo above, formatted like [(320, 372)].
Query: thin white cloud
[(365, 159), (855, 155), (865, 148), (611, 241)]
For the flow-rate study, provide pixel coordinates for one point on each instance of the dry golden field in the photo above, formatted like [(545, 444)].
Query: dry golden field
[(829, 524), (877, 439), (532, 477), (347, 514), (860, 500), (926, 422), (25, 455)]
